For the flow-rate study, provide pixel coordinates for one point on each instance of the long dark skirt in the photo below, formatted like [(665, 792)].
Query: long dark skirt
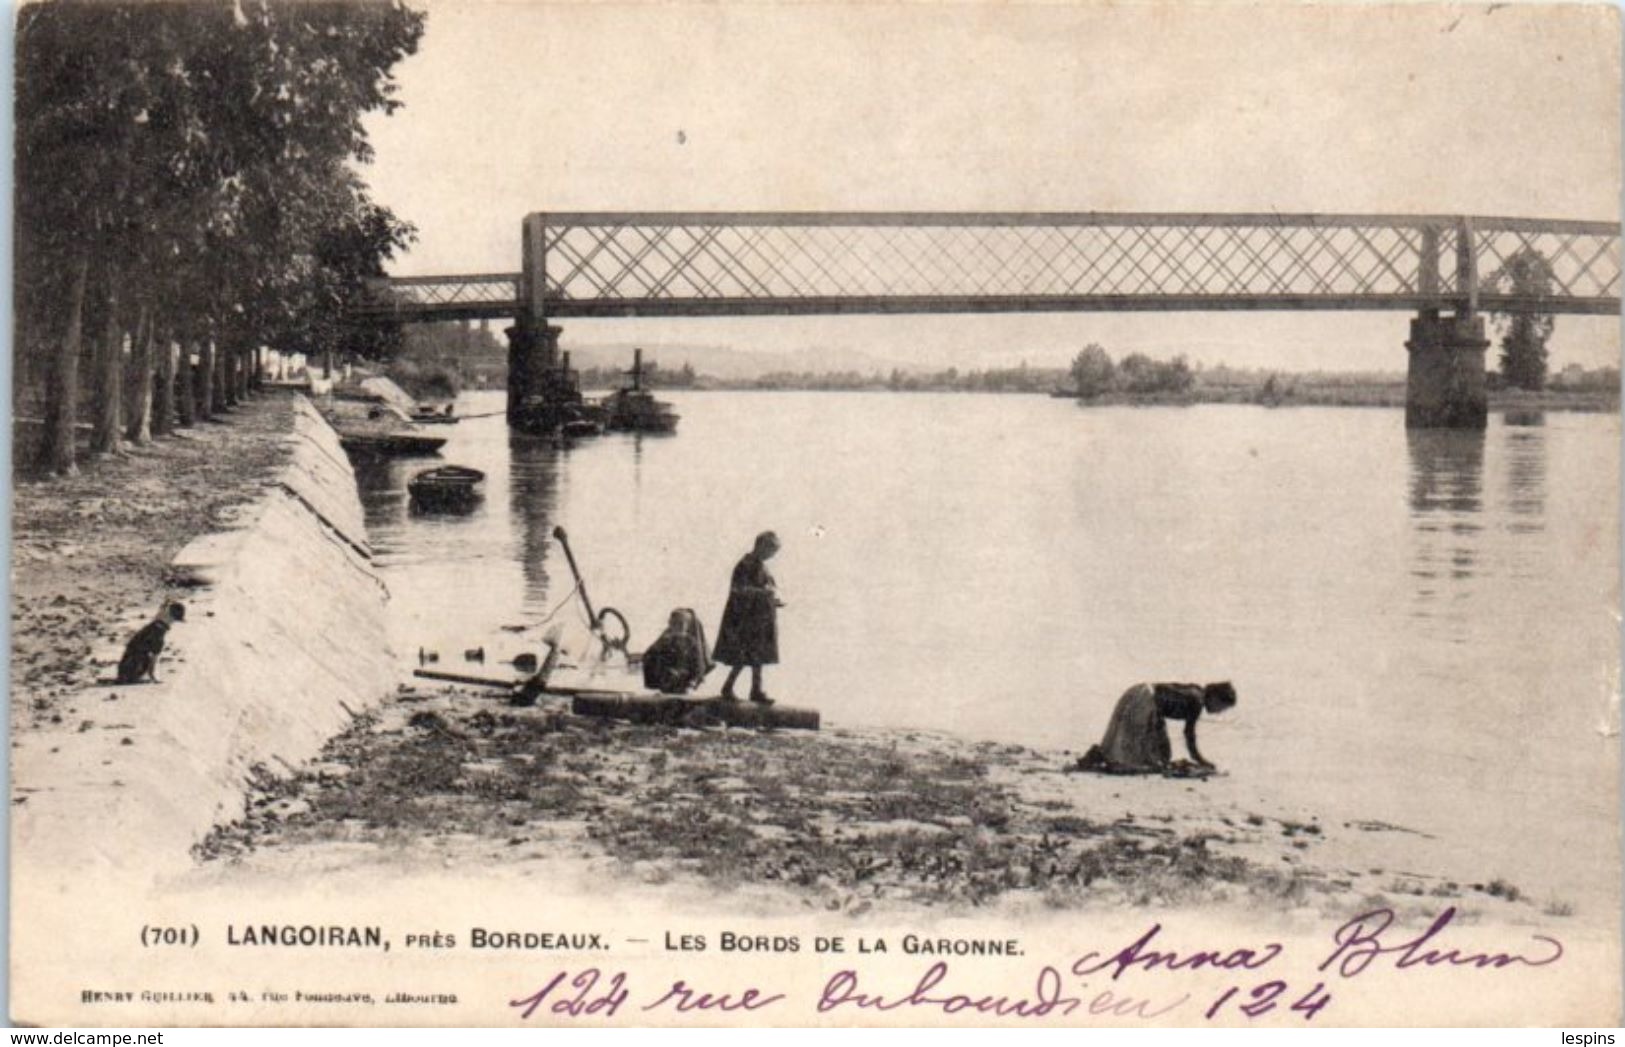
[(749, 634), (1136, 740)]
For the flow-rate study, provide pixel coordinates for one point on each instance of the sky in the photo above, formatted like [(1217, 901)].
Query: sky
[(515, 107)]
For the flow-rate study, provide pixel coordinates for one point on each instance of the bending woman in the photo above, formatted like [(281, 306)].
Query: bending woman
[(1136, 740)]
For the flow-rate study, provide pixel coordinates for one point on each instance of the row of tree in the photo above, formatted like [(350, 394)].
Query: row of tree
[(437, 360), (1094, 374), (186, 193), (654, 376), (1022, 379), (1523, 353)]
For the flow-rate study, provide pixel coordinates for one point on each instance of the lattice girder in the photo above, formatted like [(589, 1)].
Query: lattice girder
[(675, 264)]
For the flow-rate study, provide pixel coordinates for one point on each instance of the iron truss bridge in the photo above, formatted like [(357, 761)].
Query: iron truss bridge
[(600, 264)]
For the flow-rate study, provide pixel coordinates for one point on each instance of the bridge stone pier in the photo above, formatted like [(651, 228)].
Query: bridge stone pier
[(533, 362), (1445, 386)]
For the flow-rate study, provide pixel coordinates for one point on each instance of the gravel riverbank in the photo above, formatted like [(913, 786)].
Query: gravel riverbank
[(845, 820), (90, 554)]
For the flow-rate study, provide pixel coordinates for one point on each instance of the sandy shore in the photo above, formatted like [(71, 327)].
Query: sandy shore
[(844, 820), (90, 554)]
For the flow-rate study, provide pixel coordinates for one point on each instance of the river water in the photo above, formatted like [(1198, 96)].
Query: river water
[(1421, 626)]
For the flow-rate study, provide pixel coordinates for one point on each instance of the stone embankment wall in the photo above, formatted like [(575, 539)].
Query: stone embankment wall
[(284, 643)]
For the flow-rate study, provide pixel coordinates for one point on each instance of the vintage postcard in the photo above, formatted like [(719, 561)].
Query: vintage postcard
[(566, 514)]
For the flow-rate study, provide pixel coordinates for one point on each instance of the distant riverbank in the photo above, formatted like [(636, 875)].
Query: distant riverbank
[(1290, 391), (1357, 395)]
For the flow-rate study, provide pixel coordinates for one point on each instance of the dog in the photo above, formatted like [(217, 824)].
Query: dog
[(140, 661)]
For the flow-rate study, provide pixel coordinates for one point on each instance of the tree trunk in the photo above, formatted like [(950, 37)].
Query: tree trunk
[(186, 387), (205, 380), (109, 373), (226, 387), (245, 372), (138, 429), (163, 393), (229, 356), (62, 388), (221, 373)]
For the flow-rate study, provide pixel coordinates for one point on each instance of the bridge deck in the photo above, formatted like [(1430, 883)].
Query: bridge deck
[(602, 264)]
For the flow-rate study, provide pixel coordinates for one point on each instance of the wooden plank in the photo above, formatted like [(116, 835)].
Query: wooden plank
[(517, 685), (476, 681), (677, 711)]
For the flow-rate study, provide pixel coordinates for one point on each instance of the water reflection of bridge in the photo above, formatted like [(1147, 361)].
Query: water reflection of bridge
[(605, 264), (533, 487), (1449, 506)]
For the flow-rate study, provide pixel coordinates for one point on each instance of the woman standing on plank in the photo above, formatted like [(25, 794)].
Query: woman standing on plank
[(749, 634)]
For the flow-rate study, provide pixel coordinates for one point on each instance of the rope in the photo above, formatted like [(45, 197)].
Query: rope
[(559, 606), (317, 513), (339, 539)]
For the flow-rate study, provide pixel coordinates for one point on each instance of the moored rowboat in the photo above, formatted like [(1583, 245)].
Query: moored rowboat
[(447, 485), (385, 445)]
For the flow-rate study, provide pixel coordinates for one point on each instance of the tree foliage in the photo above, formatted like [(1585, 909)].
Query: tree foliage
[(197, 159), (1093, 373), (1527, 274)]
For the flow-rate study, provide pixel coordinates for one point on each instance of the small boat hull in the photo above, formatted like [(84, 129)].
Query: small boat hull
[(389, 445), (450, 488), (570, 418), (432, 414), (630, 411)]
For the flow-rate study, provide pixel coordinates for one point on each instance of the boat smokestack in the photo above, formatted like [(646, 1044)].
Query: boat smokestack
[(637, 369)]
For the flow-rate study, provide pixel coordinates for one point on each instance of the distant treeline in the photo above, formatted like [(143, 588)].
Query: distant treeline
[(435, 361), (654, 377), (1022, 379), (438, 359)]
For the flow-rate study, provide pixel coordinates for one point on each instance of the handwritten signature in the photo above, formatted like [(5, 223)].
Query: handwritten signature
[(1368, 938), (1357, 946)]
